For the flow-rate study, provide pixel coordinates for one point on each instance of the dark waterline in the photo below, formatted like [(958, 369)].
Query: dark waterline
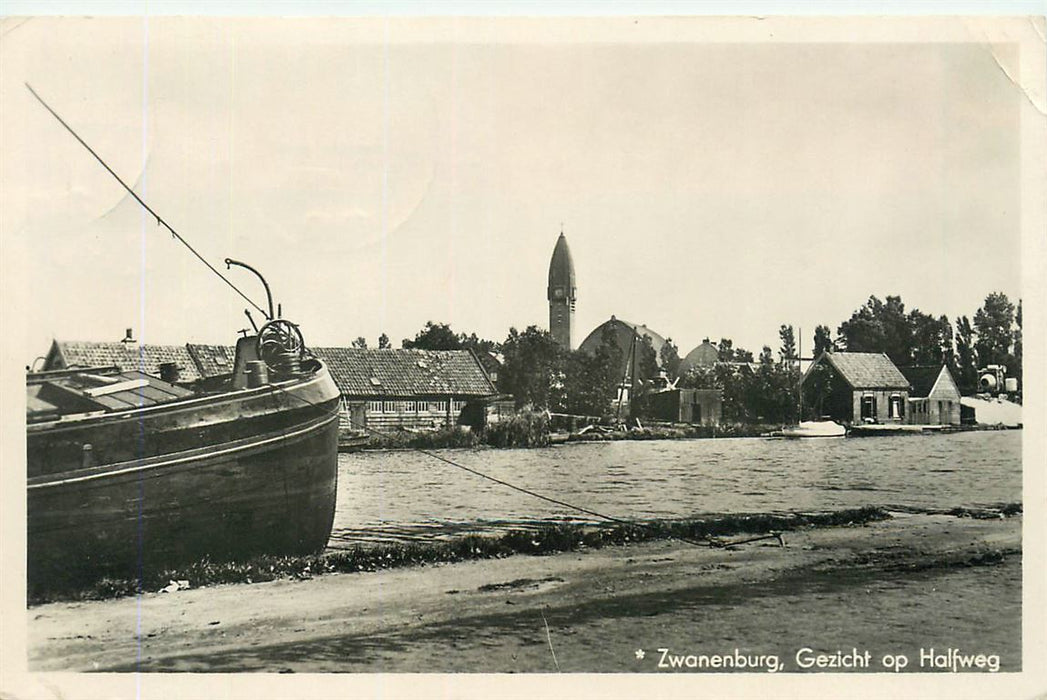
[(408, 495)]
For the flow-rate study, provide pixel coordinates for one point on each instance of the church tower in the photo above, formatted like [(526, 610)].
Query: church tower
[(561, 294)]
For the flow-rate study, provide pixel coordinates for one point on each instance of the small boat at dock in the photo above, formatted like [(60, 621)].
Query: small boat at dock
[(814, 429)]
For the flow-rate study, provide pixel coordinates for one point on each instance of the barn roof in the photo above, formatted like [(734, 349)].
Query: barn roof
[(406, 373), (866, 370), (126, 356)]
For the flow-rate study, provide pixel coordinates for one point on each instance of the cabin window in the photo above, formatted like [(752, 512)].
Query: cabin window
[(868, 407), (894, 407)]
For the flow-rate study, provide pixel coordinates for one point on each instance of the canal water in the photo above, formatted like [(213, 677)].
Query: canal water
[(407, 495)]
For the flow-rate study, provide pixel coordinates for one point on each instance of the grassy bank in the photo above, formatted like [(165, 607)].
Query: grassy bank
[(548, 539), (674, 432)]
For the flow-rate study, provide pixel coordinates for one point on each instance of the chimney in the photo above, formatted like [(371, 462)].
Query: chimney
[(129, 337)]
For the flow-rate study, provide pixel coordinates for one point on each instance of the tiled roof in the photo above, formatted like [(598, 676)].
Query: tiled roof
[(127, 356), (867, 370), (921, 378), (405, 373), (212, 360)]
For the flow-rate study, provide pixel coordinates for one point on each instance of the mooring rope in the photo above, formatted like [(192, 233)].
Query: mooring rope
[(549, 499), (159, 220)]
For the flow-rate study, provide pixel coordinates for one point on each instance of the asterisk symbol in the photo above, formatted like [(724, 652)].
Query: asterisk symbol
[(640, 653)]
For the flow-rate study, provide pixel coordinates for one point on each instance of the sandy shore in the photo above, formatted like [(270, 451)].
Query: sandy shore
[(890, 588)]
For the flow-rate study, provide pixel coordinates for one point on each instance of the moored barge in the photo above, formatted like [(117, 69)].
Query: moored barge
[(128, 473)]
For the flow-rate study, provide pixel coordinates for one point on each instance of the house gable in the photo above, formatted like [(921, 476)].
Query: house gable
[(945, 386)]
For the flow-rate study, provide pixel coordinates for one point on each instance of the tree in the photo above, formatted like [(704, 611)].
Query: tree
[(591, 381), (766, 356), (822, 340), (533, 368), (476, 344), (879, 326), (729, 353), (383, 342), (435, 336), (993, 323), (931, 339), (726, 350), (966, 369), (787, 350), (646, 360), (360, 342), (1016, 371), (669, 357)]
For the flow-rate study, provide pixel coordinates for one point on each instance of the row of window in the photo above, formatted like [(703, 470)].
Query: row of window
[(895, 407), (398, 407)]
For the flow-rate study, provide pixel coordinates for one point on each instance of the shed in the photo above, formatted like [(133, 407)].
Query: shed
[(934, 397)]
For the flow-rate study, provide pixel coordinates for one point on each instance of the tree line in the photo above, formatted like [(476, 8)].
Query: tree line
[(759, 388), (992, 336)]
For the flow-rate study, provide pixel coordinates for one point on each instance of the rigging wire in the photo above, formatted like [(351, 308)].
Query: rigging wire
[(159, 220)]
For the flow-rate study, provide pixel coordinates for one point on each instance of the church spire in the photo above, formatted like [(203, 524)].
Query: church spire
[(561, 293)]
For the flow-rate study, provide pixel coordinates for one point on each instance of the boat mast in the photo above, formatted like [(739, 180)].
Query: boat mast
[(799, 376)]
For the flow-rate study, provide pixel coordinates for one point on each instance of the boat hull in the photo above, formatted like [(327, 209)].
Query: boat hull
[(223, 478), (815, 429)]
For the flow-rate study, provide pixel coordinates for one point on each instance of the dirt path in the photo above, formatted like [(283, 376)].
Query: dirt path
[(894, 587)]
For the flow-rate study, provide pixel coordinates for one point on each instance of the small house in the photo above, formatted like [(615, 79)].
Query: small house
[(934, 397), (389, 389), (855, 387)]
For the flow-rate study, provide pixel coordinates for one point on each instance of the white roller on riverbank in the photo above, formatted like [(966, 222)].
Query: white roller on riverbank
[(994, 411)]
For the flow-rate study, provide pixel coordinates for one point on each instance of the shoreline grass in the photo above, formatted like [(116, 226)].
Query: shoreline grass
[(548, 539)]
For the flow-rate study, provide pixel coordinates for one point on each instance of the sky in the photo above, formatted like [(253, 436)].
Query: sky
[(713, 178)]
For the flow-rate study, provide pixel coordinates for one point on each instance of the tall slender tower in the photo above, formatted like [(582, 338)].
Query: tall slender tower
[(561, 294)]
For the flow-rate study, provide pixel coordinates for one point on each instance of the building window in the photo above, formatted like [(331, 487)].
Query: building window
[(894, 407), (869, 407), (374, 406), (389, 407)]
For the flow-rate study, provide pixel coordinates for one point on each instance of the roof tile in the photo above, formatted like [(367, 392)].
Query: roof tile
[(403, 373), (867, 370)]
